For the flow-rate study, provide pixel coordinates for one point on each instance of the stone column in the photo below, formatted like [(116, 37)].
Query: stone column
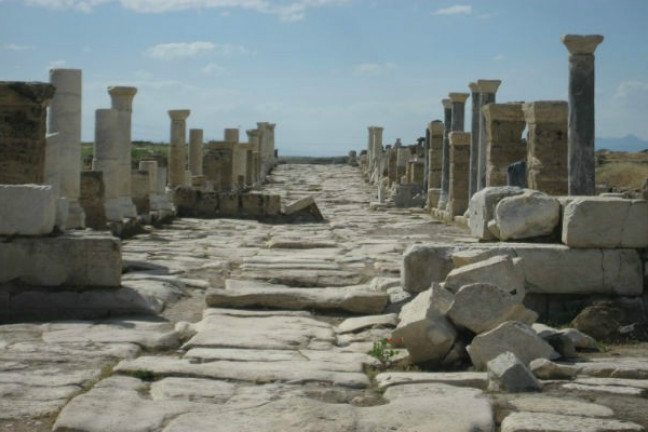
[(581, 112), (459, 163), (22, 137), (177, 147), (546, 164), (370, 151), (231, 135), (378, 153), (435, 129), (504, 126), (263, 149), (253, 139), (122, 101), (487, 90), (196, 152), (64, 119), (271, 145), (458, 111), (107, 159), (474, 138), (445, 154)]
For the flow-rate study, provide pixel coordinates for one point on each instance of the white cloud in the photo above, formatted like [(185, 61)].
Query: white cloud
[(455, 10), (286, 10), (15, 47), (499, 57), (212, 69), (175, 50), (55, 64), (632, 94), (372, 69)]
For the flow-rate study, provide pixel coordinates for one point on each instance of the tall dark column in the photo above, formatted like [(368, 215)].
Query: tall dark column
[(487, 90), (445, 168), (580, 138)]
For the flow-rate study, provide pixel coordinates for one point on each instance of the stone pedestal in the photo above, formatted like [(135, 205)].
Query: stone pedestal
[(218, 165), (487, 90), (122, 102), (435, 129), (64, 167), (177, 149), (504, 126), (581, 161), (107, 158), (196, 151), (459, 164), (445, 167), (22, 131), (92, 200), (547, 146)]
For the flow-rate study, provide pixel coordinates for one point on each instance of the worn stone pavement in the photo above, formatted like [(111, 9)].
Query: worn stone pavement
[(249, 336)]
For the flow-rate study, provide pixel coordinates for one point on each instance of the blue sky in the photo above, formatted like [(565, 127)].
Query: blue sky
[(324, 70)]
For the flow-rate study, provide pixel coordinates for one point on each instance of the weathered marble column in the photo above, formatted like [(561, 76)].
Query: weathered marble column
[(272, 153), (546, 164), (458, 111), (504, 126), (253, 139), (487, 90), (445, 154), (196, 152), (22, 139), (177, 147), (581, 161), (122, 101), (474, 138), (435, 129), (459, 163), (64, 119), (370, 151), (378, 153), (264, 143), (107, 159)]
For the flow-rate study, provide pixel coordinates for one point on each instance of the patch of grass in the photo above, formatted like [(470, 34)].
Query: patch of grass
[(622, 175)]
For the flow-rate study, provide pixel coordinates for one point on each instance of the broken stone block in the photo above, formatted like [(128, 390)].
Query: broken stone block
[(74, 259), (480, 307), (580, 340), (304, 208), (542, 422), (481, 209), (426, 333), (531, 214), (517, 337), (28, 210), (547, 268), (547, 370), (498, 270), (605, 222), (506, 373)]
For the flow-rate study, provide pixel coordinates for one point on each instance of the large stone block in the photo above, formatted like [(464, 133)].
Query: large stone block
[(508, 374), (531, 214), (547, 268), (518, 338), (426, 333), (498, 270), (481, 209), (73, 259), (27, 209), (605, 222)]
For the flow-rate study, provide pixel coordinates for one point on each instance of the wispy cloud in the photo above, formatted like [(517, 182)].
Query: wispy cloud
[(498, 57), (632, 94), (286, 10), (15, 47), (176, 50), (454, 10), (372, 68), (212, 69)]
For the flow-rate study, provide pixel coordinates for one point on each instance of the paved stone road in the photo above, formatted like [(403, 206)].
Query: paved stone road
[(219, 359)]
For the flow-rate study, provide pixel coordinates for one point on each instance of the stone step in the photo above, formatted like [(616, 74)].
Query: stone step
[(243, 293)]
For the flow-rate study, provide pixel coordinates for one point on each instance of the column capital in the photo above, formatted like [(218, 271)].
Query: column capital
[(262, 125), (447, 103), (14, 93), (545, 112), (474, 87), (503, 112), (488, 86), (436, 127), (179, 114), (252, 132), (122, 97), (458, 97), (581, 44), (271, 126), (376, 129)]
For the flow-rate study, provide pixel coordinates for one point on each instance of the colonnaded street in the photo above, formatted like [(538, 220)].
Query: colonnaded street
[(273, 351)]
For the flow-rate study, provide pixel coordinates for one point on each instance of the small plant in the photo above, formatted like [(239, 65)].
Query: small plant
[(383, 352)]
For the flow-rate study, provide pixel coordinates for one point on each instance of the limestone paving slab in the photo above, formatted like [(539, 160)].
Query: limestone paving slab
[(351, 325), (540, 403), (478, 380), (545, 422)]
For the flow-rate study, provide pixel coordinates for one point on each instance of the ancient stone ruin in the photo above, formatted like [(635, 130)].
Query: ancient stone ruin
[(413, 287)]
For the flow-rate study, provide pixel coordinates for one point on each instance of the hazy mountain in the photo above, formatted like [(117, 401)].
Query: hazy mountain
[(628, 143)]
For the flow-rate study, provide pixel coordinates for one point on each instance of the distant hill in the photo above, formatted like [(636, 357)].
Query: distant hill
[(628, 143)]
